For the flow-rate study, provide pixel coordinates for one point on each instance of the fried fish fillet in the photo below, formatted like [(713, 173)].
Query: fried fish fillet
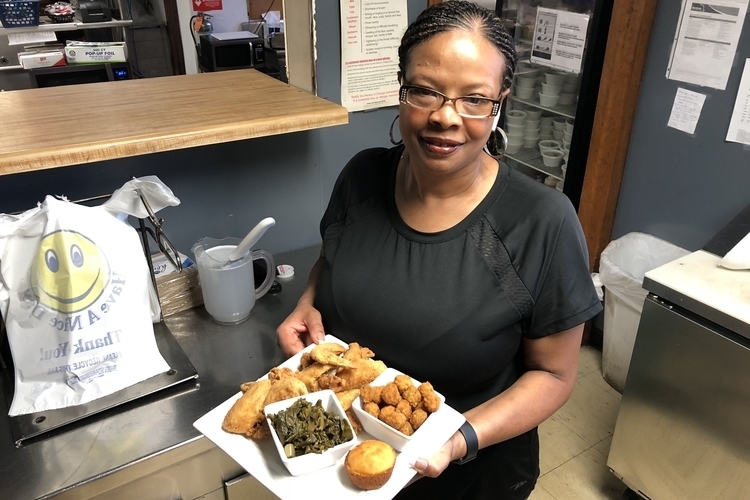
[(247, 412), (346, 398), (288, 387), (329, 353)]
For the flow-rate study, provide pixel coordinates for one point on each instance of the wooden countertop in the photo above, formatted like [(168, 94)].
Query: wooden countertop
[(59, 126)]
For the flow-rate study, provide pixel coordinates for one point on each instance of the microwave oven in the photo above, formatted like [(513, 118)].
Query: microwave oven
[(225, 51)]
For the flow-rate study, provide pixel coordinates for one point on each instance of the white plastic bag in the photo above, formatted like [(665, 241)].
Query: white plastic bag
[(626, 260), (74, 294)]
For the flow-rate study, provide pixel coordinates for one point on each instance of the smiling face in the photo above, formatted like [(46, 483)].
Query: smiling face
[(456, 63), (69, 272)]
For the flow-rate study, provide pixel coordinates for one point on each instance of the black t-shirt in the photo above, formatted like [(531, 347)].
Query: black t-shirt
[(451, 307)]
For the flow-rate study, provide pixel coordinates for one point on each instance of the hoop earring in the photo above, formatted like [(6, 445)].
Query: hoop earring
[(500, 147), (390, 134)]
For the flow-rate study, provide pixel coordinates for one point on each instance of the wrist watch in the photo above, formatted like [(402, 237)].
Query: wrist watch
[(472, 443)]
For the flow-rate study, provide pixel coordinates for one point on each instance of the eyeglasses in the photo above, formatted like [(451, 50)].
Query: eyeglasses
[(466, 106)]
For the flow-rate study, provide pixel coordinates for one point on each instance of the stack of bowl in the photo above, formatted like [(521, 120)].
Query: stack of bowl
[(526, 84), (568, 132), (569, 91), (546, 127), (515, 128), (551, 88)]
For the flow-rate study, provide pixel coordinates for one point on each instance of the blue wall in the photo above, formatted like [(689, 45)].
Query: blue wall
[(225, 189), (679, 187)]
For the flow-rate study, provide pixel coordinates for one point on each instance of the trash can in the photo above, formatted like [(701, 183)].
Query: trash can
[(622, 266)]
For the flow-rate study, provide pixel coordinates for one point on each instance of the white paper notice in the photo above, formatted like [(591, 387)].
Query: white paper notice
[(30, 37), (559, 39), (706, 41), (739, 126), (371, 32), (686, 110)]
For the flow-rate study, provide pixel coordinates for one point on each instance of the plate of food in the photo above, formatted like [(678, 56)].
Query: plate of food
[(240, 427)]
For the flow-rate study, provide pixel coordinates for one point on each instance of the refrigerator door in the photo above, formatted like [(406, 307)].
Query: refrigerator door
[(560, 46), (683, 431)]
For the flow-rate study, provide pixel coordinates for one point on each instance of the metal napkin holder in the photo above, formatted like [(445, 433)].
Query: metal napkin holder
[(30, 425)]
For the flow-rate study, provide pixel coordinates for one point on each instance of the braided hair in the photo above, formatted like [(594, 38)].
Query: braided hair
[(461, 15)]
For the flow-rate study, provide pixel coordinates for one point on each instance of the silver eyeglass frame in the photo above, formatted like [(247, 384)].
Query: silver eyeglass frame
[(404, 89)]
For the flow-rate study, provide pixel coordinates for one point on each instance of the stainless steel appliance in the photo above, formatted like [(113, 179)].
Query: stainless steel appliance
[(683, 431)]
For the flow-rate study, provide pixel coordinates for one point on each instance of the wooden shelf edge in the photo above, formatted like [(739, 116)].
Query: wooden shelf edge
[(136, 146)]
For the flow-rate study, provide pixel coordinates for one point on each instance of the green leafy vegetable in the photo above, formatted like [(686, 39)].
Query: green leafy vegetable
[(309, 428)]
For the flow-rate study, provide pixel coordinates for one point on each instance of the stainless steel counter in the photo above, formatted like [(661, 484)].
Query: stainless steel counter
[(152, 441)]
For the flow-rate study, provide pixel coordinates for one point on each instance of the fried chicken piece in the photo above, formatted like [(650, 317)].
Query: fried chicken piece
[(246, 413), (364, 372), (429, 398), (279, 374), (305, 360), (371, 393), (413, 396), (247, 385), (331, 382), (310, 375), (346, 398), (390, 416), (406, 429), (329, 353), (403, 382), (356, 351), (372, 408), (263, 432), (356, 425), (390, 394), (289, 387), (404, 407), (418, 417)]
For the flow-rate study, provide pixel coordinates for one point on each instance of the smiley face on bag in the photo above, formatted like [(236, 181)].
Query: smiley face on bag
[(69, 272)]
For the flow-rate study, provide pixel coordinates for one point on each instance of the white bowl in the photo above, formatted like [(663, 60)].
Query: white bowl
[(566, 99), (533, 114), (515, 117), (526, 81), (513, 148), (552, 158), (558, 123), (571, 78), (568, 136), (551, 90), (515, 127), (548, 145), (548, 100), (558, 135), (546, 121), (524, 92), (311, 461), (532, 124), (570, 87), (546, 129), (530, 142), (569, 124), (566, 145), (554, 78), (376, 427), (531, 134), (545, 137)]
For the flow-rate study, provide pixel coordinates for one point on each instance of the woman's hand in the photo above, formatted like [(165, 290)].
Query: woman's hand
[(301, 328), (454, 449)]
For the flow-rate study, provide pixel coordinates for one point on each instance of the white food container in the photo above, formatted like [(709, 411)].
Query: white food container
[(311, 462), (379, 429)]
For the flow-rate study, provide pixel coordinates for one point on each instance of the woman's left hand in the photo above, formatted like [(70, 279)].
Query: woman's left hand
[(454, 449)]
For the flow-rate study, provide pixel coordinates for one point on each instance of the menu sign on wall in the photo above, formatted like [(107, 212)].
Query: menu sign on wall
[(371, 32), (559, 39)]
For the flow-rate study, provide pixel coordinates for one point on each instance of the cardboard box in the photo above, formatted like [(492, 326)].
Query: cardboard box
[(95, 52), (42, 59)]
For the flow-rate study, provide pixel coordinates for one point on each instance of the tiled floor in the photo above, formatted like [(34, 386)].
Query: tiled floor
[(575, 441)]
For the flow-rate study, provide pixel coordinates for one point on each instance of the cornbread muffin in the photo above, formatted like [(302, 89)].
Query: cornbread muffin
[(370, 464)]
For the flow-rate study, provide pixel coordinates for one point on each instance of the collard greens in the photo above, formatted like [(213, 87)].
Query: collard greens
[(309, 428)]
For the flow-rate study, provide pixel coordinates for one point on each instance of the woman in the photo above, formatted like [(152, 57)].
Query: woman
[(453, 268)]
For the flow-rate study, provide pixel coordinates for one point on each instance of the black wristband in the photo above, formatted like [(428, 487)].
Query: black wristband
[(472, 443)]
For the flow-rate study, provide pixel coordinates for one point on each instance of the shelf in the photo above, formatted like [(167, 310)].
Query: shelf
[(76, 25), (566, 111), (532, 158), (104, 121)]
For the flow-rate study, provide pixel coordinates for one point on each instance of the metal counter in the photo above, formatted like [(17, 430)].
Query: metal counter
[(151, 442)]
